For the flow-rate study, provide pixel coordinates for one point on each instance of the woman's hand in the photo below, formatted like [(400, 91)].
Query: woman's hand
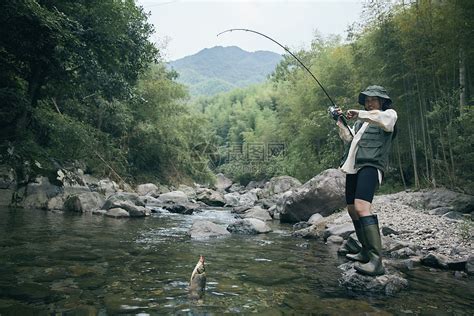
[(352, 114)]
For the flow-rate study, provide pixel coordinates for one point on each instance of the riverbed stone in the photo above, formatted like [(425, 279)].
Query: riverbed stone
[(222, 182), (258, 213), (107, 187), (39, 192), (147, 189), (249, 226), (435, 260), (387, 284), (311, 232), (211, 197), (174, 197), (279, 184), (343, 230), (232, 199), (249, 198), (117, 213), (122, 196), (323, 194), (84, 202), (182, 208), (206, 229), (315, 218)]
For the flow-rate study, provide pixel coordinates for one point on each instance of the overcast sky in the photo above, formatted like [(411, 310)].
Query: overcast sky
[(185, 27)]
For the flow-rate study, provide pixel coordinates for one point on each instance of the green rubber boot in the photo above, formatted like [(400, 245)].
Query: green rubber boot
[(370, 228), (361, 255)]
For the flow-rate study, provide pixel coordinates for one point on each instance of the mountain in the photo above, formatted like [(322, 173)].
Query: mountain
[(220, 69)]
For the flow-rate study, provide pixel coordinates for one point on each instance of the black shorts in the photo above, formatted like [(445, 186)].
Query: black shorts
[(362, 185)]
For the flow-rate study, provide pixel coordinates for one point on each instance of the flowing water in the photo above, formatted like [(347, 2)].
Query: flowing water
[(62, 264)]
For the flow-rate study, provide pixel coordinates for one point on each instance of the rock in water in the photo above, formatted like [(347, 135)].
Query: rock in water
[(197, 284)]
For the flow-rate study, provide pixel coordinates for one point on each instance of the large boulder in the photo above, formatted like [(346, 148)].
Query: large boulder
[(232, 199), (211, 197), (222, 182), (323, 194), (249, 198), (258, 213), (122, 196), (249, 226), (189, 191), (206, 229), (132, 209), (84, 202), (278, 185), (174, 197), (147, 189), (39, 192), (107, 187)]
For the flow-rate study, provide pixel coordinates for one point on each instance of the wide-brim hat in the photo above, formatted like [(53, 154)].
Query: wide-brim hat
[(374, 91)]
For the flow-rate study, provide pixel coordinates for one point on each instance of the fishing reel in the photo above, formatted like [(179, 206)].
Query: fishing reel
[(336, 114)]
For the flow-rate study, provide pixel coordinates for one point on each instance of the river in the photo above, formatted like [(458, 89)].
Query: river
[(66, 264)]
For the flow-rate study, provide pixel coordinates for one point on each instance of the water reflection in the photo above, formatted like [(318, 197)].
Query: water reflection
[(62, 263)]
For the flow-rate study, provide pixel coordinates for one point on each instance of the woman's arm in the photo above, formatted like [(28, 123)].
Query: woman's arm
[(344, 133), (384, 119)]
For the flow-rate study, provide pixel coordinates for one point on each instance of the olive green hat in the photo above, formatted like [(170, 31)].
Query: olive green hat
[(374, 91)]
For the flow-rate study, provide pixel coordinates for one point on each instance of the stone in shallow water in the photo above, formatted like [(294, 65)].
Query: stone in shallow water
[(387, 284)]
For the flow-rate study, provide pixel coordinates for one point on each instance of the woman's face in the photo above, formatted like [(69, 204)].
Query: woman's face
[(372, 103)]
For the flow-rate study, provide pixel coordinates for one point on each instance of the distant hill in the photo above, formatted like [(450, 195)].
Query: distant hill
[(220, 69)]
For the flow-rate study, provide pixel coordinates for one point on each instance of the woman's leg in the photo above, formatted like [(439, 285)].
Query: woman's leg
[(367, 182)]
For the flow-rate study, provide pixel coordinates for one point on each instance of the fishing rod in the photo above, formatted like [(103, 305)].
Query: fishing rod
[(333, 109)]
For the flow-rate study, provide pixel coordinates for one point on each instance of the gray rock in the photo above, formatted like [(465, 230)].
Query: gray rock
[(206, 229), (315, 218), (56, 203), (236, 188), (388, 284), (122, 196), (322, 194), (182, 208), (249, 226), (271, 210), (149, 200), (147, 189), (301, 225), (310, 232), (279, 184), (255, 184), (241, 209), (388, 231), (99, 212), (117, 213), (7, 178), (174, 197), (107, 187), (211, 197), (249, 198), (222, 182), (84, 202), (343, 230), (132, 209), (453, 215), (258, 213), (39, 192), (435, 261), (440, 210), (189, 191), (232, 199), (403, 253), (334, 239)]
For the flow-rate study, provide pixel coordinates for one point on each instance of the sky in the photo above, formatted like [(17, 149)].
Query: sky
[(184, 27)]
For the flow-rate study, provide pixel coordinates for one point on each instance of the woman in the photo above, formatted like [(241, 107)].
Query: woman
[(365, 160)]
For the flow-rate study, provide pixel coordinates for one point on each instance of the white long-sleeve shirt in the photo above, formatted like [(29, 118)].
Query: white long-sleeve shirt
[(383, 119)]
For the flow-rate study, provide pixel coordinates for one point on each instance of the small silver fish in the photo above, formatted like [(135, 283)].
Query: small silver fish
[(197, 284)]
